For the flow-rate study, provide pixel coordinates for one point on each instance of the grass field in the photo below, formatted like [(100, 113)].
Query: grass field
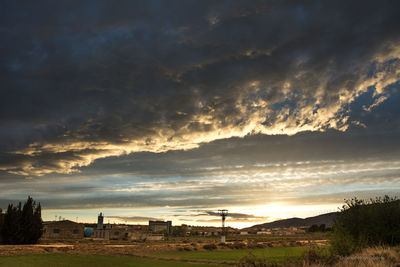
[(87, 261), (172, 258), (277, 254)]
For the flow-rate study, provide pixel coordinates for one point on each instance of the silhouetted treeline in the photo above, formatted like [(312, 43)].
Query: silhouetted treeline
[(366, 223), (321, 228), (22, 224)]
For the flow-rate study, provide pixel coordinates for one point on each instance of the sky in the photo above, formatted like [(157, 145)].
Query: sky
[(172, 110)]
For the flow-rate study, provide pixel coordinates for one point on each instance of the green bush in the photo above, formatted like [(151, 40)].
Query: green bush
[(210, 246), (250, 260), (366, 223), (318, 256)]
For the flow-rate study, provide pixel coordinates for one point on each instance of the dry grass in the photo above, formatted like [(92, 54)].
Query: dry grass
[(376, 257), (369, 257)]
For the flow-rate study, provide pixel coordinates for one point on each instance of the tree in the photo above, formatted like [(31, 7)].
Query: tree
[(179, 230), (23, 225), (27, 221), (366, 223), (37, 230), (31, 222), (1, 225), (313, 228), (12, 225)]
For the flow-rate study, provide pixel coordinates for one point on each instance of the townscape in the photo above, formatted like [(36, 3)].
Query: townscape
[(155, 230), (159, 240)]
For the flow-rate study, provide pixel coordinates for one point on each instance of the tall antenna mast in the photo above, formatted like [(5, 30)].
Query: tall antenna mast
[(223, 214)]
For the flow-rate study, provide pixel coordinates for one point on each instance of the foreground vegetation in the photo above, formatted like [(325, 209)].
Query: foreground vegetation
[(362, 224), (367, 257)]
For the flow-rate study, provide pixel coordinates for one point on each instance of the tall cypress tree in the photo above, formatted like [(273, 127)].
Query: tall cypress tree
[(12, 225), (27, 223), (1, 225), (37, 229)]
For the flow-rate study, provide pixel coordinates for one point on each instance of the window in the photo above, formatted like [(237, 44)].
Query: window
[(75, 231), (116, 233), (56, 231)]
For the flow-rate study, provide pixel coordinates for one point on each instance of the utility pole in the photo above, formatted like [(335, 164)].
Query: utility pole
[(223, 214)]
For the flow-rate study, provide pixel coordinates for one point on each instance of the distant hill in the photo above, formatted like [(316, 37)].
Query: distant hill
[(326, 219)]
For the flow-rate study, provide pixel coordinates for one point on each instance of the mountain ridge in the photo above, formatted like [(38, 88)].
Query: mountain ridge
[(326, 218)]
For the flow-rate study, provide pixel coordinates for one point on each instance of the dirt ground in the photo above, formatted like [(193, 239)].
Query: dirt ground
[(133, 249), (83, 248)]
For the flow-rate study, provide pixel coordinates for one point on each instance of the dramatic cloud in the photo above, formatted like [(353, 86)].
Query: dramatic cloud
[(84, 81), (175, 109)]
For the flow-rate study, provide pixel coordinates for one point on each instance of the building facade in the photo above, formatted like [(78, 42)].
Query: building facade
[(159, 226), (65, 229)]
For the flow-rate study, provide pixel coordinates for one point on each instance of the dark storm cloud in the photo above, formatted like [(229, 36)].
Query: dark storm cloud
[(254, 152), (132, 201), (87, 80)]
